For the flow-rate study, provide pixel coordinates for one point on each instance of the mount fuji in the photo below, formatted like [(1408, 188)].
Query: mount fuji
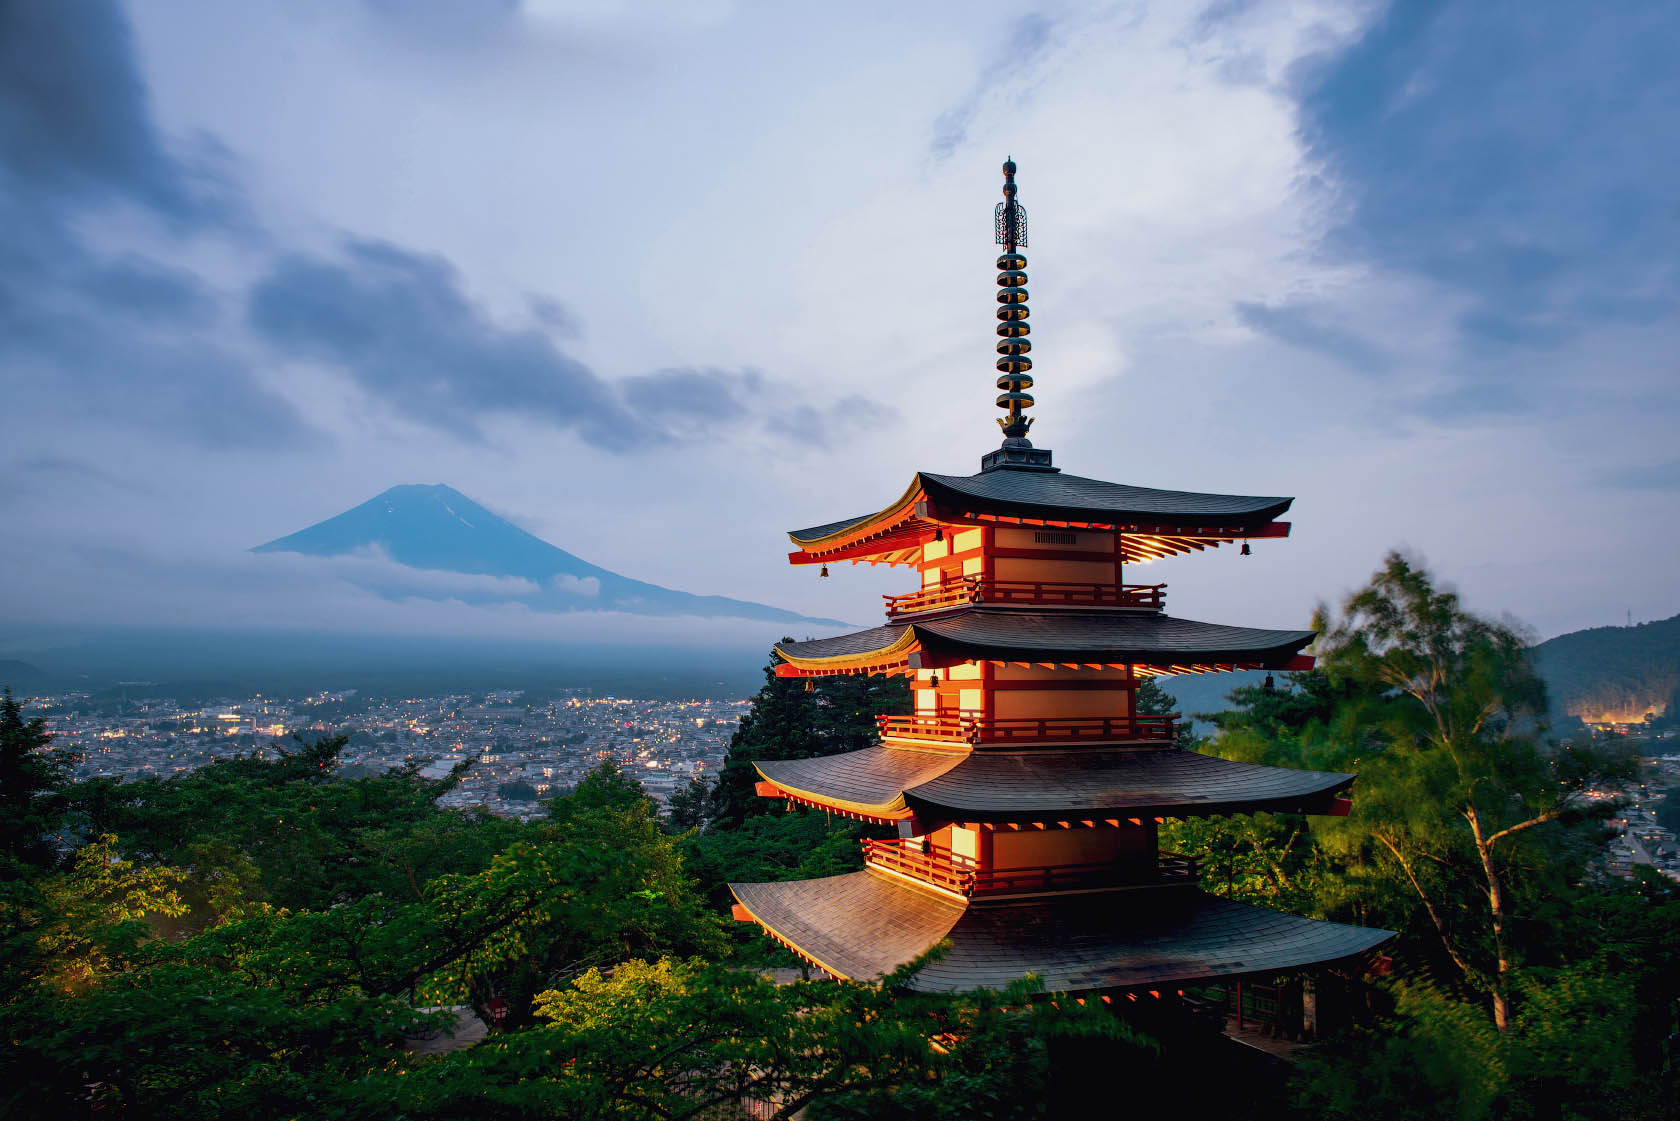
[(450, 547)]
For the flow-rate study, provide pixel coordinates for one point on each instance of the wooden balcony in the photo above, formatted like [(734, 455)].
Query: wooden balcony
[(1019, 593), (977, 731), (964, 877)]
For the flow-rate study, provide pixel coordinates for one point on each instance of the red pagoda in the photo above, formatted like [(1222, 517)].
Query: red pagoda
[(1026, 787)]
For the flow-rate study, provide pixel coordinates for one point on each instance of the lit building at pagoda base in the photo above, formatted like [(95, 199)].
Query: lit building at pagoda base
[(1026, 787)]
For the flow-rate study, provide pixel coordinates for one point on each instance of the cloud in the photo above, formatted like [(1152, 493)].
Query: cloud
[(74, 118), (400, 324), (402, 327), (94, 582), (1029, 39), (693, 393), (1645, 476), (121, 337), (1307, 327), (1523, 154), (576, 585)]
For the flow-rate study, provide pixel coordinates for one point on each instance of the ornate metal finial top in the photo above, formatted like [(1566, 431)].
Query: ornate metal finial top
[(1010, 217), (1012, 347)]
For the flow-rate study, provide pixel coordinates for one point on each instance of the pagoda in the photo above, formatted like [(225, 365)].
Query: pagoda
[(1026, 787)]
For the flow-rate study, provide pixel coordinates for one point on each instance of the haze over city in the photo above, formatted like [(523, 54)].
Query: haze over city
[(659, 282)]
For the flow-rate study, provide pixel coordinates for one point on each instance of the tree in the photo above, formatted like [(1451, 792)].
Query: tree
[(800, 718), (686, 808), (32, 783), (1460, 772)]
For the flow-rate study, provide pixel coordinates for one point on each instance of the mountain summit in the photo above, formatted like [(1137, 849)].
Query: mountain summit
[(438, 531)]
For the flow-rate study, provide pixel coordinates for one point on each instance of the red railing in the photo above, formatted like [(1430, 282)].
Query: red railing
[(978, 730), (966, 878), (935, 868), (972, 590)]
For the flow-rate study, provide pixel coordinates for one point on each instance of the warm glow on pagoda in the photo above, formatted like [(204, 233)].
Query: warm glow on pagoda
[(1026, 787)]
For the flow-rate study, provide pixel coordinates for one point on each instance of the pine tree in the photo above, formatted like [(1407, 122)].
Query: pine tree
[(32, 780), (794, 718)]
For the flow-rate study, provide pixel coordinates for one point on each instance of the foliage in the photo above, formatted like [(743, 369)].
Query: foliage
[(120, 980), (795, 718), (259, 937), (1435, 1058), (1623, 671), (686, 808), (32, 782)]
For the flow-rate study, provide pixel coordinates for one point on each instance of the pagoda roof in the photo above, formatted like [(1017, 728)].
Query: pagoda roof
[(983, 633), (863, 925), (885, 782), (1041, 494)]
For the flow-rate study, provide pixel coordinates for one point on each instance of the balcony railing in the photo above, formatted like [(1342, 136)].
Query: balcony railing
[(1026, 593), (964, 877), (978, 731)]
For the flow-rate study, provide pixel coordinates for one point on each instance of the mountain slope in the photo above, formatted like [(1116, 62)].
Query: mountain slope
[(437, 529), (1613, 673)]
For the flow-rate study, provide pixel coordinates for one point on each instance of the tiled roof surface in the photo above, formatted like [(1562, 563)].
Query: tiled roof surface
[(1133, 940), (860, 925), (816, 531), (1092, 499), (865, 924), (1051, 494), (1034, 785), (1025, 786), (1023, 635)]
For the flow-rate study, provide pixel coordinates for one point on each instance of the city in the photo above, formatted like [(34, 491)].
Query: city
[(525, 749)]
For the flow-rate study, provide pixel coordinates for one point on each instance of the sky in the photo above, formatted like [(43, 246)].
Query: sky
[(659, 282)]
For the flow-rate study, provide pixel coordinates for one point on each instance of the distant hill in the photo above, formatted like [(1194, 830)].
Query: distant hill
[(16, 673), (437, 530), (1614, 673)]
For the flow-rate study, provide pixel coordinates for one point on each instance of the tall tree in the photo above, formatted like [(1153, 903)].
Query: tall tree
[(794, 718), (32, 782), (1462, 779)]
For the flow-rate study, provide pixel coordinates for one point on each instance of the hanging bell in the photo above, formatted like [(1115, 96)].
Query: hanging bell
[(939, 533), (1246, 551), (824, 572), (935, 681), (810, 686)]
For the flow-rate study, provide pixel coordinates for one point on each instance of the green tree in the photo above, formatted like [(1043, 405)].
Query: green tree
[(686, 808), (800, 718), (32, 784), (1460, 781)]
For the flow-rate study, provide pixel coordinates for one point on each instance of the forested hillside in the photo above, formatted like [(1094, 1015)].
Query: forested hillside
[(1614, 673)]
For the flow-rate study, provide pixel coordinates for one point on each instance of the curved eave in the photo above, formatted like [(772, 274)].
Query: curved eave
[(869, 783), (834, 535), (874, 650), (863, 925)]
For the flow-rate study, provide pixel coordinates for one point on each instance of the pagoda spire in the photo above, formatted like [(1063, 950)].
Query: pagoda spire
[(1010, 222)]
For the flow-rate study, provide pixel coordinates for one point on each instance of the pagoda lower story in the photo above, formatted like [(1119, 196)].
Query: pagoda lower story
[(1026, 786)]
